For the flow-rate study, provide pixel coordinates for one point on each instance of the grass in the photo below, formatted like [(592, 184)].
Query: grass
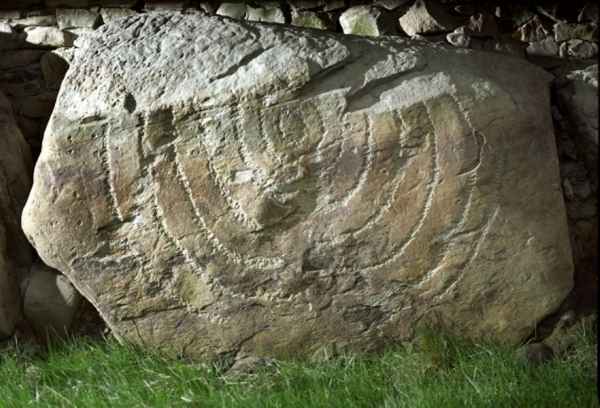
[(442, 372)]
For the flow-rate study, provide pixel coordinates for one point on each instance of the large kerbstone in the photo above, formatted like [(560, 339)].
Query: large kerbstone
[(218, 187), (15, 182)]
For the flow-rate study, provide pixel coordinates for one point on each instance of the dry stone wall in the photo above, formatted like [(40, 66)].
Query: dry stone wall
[(38, 39)]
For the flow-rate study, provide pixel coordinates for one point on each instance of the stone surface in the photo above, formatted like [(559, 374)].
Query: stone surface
[(49, 301), (265, 14), (232, 10), (361, 20), (48, 37), (77, 18), (427, 17), (532, 31), (578, 49), (5, 28), (483, 25), (564, 32), (15, 182), (275, 184), (545, 48), (460, 37), (308, 19)]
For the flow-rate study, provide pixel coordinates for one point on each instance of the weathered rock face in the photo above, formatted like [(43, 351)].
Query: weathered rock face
[(15, 182), (217, 187)]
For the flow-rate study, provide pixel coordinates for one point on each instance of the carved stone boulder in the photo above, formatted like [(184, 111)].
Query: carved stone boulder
[(218, 187)]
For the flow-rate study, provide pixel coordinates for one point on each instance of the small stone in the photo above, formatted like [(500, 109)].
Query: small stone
[(427, 17), (109, 14), (565, 32), (5, 28), (232, 10), (265, 15), (578, 49), (308, 19), (535, 354), (361, 20), (532, 31), (545, 48), (483, 25), (49, 301), (42, 21), (459, 37), (77, 18), (48, 37)]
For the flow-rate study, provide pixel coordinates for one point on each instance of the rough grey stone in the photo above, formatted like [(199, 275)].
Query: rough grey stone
[(362, 20), (265, 14), (109, 14), (533, 31), (578, 49), (232, 10), (545, 48), (249, 188), (427, 17), (483, 25), (565, 32), (460, 37), (77, 18), (308, 19), (5, 28), (48, 37)]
